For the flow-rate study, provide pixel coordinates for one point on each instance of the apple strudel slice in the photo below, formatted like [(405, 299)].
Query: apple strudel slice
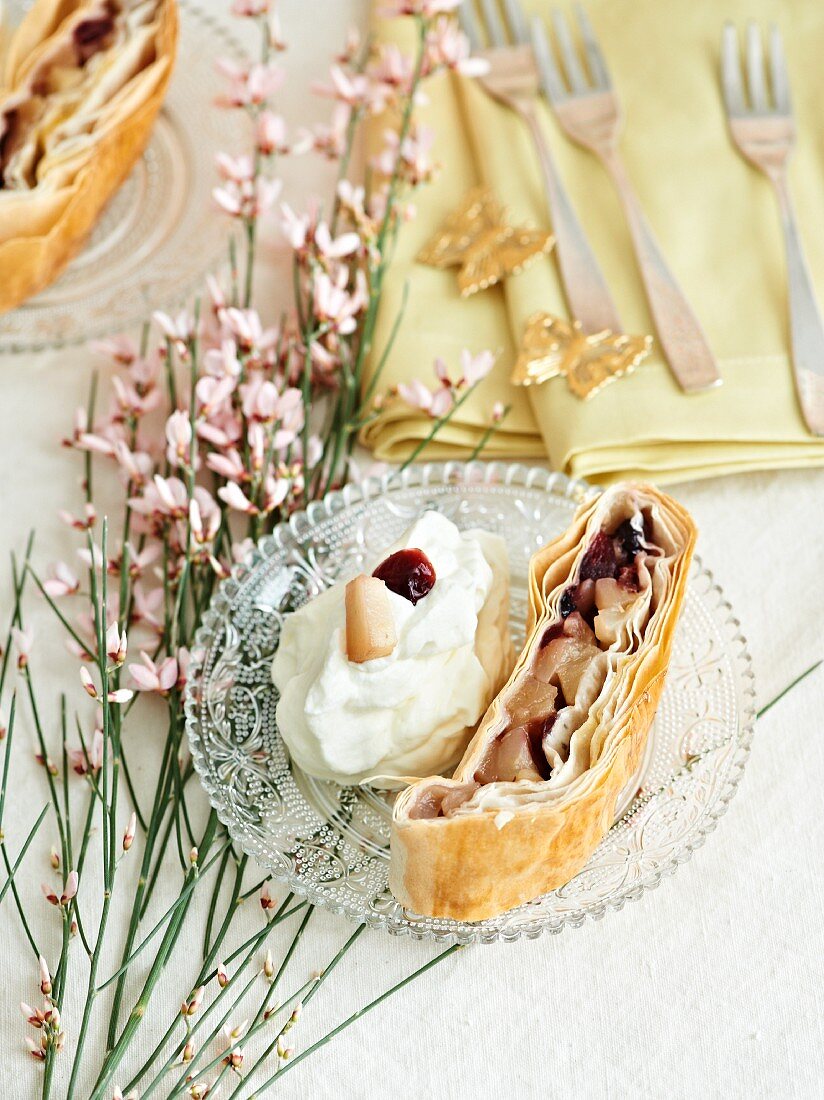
[(536, 789)]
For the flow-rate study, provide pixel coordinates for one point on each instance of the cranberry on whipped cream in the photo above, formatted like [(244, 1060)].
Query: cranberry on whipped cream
[(412, 711)]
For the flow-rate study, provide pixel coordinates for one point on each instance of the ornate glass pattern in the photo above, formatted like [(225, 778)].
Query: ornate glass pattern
[(329, 842)]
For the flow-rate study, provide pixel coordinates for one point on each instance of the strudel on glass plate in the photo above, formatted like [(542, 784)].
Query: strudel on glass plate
[(537, 786)]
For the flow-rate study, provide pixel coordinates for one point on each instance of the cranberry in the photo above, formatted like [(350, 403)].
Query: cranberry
[(599, 560), (630, 536), (408, 573)]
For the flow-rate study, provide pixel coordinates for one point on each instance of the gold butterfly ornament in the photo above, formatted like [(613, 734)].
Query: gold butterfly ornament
[(554, 348), (478, 239)]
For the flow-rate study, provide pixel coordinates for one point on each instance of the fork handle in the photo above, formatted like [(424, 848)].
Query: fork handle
[(680, 335), (585, 287), (806, 327)]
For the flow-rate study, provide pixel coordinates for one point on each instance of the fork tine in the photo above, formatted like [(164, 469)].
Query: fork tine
[(550, 76), (778, 75), (470, 26), (731, 71), (494, 25), (595, 59), (574, 72), (517, 21), (755, 68)]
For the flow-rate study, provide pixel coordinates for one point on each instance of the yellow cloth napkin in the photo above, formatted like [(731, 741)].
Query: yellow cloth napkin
[(716, 220)]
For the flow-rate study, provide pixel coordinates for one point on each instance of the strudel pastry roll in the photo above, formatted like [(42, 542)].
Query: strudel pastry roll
[(536, 789), (84, 81)]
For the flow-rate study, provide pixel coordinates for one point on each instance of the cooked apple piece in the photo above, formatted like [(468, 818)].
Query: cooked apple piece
[(370, 628), (509, 759), (532, 699), (609, 593)]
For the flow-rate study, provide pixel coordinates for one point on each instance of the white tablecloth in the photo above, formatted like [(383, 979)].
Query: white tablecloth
[(709, 986)]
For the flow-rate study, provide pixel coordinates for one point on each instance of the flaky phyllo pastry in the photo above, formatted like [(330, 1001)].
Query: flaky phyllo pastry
[(83, 84), (536, 789)]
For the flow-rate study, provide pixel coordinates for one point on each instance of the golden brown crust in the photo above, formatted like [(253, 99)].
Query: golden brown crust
[(464, 866), (42, 229)]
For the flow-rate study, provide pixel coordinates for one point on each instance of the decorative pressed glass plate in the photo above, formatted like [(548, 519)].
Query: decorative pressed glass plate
[(161, 232), (330, 843)]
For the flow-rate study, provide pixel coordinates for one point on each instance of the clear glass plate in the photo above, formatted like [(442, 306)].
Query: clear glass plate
[(161, 232), (329, 842)]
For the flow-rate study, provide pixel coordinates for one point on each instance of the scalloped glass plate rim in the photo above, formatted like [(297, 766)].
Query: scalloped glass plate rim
[(493, 474)]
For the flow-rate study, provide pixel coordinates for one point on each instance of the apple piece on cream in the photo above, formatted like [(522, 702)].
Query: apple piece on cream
[(349, 713)]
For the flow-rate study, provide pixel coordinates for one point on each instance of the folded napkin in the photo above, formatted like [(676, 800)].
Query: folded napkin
[(716, 220)]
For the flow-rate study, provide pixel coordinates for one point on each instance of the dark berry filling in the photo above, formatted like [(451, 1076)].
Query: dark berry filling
[(408, 573)]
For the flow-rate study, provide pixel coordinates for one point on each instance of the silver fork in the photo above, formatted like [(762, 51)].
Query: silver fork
[(764, 132), (512, 79), (587, 108)]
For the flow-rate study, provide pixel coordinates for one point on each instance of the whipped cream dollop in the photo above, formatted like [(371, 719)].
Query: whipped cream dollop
[(412, 712)]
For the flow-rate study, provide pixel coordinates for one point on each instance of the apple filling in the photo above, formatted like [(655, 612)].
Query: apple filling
[(600, 614), (43, 112)]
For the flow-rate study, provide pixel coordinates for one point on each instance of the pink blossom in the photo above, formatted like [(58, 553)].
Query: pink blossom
[(122, 349), (63, 582), (132, 403), (146, 605), (354, 89), (293, 226), (260, 399), (249, 199), (23, 640), (474, 368), (221, 362), (334, 305), (436, 404), (179, 439), (242, 551), (249, 87), (92, 764), (246, 328), (80, 523), (228, 465), (154, 677), (343, 245), (251, 9), (276, 39), (271, 138), (239, 169), (162, 497), (234, 497), (131, 829), (179, 330), (69, 891), (116, 643), (136, 465), (204, 517), (45, 977), (330, 140), (426, 8), (448, 46)]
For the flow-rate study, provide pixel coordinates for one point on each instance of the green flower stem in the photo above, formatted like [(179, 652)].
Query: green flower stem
[(12, 870), (63, 620), (187, 1078), (203, 979), (182, 898), (263, 1089), (117, 1053), (436, 427), (788, 688), (485, 438), (310, 994), (7, 761)]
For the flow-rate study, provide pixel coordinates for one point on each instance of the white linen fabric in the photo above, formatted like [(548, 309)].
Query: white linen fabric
[(710, 986)]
